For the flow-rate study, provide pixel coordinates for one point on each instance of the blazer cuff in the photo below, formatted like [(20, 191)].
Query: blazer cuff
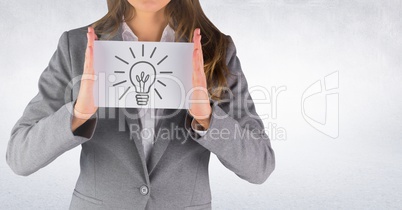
[(193, 126), (82, 133), (222, 132), (87, 129)]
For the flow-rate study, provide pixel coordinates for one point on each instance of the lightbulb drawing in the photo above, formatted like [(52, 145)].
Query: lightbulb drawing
[(142, 76)]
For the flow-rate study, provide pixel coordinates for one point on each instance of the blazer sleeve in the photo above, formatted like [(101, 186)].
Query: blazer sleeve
[(236, 133), (43, 132)]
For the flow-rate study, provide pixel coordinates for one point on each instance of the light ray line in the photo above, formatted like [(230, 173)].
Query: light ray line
[(125, 92), (162, 83), (156, 91), (120, 82), (162, 60), (152, 54), (121, 59), (132, 53)]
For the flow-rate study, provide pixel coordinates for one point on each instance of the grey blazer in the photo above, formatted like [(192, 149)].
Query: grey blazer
[(114, 174)]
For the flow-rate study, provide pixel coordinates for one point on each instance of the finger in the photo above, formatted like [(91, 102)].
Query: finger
[(91, 50), (199, 47), (88, 64), (196, 38), (91, 60), (88, 67), (197, 73), (196, 51), (91, 30), (197, 44), (200, 56), (199, 79), (198, 61), (91, 36), (195, 62), (199, 39), (86, 56)]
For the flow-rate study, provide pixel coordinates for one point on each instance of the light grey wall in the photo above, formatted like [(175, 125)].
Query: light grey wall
[(330, 154)]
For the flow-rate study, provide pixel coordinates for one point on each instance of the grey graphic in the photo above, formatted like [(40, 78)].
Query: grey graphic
[(142, 76)]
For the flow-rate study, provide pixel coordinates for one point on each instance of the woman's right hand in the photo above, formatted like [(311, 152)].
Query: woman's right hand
[(85, 107)]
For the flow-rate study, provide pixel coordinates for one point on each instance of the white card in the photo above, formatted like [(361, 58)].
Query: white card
[(143, 74)]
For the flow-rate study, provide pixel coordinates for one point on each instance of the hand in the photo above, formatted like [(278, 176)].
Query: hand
[(200, 107), (85, 107)]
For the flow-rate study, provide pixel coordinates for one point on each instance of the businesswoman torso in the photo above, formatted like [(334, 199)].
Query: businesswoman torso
[(115, 173)]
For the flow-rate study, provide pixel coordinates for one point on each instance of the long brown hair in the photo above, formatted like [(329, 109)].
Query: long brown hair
[(184, 17)]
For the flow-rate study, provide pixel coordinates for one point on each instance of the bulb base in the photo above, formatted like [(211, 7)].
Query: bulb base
[(142, 99)]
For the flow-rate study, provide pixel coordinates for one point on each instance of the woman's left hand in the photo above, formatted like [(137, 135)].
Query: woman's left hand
[(200, 107)]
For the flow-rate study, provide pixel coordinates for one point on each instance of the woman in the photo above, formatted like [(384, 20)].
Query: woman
[(117, 172)]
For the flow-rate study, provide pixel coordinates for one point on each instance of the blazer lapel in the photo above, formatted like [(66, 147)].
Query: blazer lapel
[(132, 118), (164, 134)]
